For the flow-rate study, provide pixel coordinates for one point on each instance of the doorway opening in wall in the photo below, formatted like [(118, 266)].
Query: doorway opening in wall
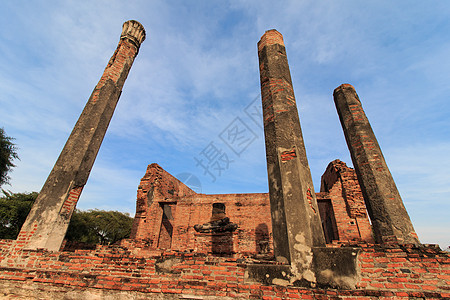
[(328, 220), (167, 222)]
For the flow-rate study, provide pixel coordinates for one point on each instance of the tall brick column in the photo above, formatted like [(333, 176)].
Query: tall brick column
[(390, 220), (295, 215), (47, 222)]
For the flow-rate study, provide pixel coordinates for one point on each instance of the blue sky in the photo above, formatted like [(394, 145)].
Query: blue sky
[(197, 75)]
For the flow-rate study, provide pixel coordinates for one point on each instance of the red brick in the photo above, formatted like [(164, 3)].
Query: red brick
[(412, 286), (397, 280), (393, 285)]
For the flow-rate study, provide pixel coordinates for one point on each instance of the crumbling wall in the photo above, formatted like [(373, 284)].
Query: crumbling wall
[(157, 186), (138, 268), (340, 185), (394, 273), (251, 212), (167, 211)]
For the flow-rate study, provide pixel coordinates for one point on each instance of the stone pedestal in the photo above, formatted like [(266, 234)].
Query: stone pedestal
[(390, 221), (295, 215), (47, 222)]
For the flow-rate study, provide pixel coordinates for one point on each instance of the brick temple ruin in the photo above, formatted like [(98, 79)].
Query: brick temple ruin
[(352, 240), (167, 212)]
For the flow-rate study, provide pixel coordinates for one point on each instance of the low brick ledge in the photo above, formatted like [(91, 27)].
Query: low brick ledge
[(398, 272), (197, 288)]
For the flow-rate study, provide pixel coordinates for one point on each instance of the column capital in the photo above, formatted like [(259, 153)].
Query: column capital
[(270, 37), (134, 31), (344, 86)]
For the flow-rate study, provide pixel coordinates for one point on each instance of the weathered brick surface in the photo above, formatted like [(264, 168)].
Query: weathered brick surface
[(157, 186), (295, 216), (340, 185), (49, 217), (251, 212), (394, 273), (391, 222)]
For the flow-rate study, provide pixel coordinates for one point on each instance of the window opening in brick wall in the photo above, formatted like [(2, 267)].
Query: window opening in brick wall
[(218, 212), (262, 239)]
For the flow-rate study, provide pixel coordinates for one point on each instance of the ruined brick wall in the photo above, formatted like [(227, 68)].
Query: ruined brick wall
[(167, 210), (340, 186), (394, 273), (156, 186), (251, 212), (405, 268)]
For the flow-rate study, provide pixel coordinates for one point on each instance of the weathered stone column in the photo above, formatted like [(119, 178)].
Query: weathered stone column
[(295, 215), (47, 222), (390, 220)]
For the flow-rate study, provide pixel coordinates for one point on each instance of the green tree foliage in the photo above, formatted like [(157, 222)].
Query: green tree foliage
[(7, 155), (90, 227), (14, 209), (99, 227)]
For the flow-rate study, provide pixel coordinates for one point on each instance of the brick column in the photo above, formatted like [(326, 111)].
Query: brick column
[(390, 220), (295, 215), (47, 222)]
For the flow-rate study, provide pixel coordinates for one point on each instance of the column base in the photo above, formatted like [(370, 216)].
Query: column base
[(330, 268)]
